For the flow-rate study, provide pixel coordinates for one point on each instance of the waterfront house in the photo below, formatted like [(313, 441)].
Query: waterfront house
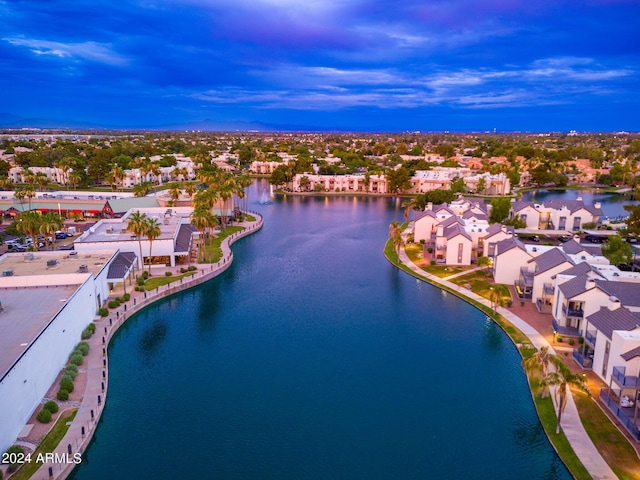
[(509, 255)]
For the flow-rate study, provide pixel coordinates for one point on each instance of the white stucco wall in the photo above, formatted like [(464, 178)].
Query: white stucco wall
[(26, 383)]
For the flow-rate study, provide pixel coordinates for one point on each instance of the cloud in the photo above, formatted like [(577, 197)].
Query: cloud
[(90, 51)]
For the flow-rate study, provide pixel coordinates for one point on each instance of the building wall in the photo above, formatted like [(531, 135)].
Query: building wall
[(458, 251), (507, 266), (160, 247), (23, 387), (423, 228), (545, 277)]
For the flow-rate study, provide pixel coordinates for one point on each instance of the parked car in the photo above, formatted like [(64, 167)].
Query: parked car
[(625, 267), (593, 239), (564, 238), (65, 247), (61, 235)]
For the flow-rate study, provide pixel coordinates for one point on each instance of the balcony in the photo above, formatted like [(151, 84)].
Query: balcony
[(584, 358), (547, 289), (572, 312), (526, 277), (567, 331), (590, 337), (623, 380), (624, 414)]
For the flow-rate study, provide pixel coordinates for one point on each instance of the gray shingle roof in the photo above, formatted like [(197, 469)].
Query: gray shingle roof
[(606, 321), (580, 269), (574, 287), (123, 205), (572, 247), (508, 244), (519, 205), (455, 230), (550, 259), (573, 206), (183, 239), (634, 352), (627, 292)]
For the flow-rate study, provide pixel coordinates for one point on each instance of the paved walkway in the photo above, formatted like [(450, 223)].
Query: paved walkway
[(571, 425), (83, 426)]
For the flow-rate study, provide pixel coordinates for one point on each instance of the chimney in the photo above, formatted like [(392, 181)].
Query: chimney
[(614, 303), (597, 205), (430, 206)]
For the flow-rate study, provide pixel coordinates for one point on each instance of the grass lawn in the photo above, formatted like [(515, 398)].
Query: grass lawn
[(612, 445), (547, 415), (47, 445), (214, 249), (155, 282), (479, 285)]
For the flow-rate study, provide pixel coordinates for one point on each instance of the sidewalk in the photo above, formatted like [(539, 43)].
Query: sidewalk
[(81, 430), (571, 425)]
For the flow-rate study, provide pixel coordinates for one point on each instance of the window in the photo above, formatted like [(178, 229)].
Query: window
[(460, 249), (576, 223)]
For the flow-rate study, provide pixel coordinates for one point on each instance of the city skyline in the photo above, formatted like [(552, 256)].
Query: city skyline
[(507, 65)]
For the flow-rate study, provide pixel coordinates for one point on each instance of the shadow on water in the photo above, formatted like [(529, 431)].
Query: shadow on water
[(152, 337)]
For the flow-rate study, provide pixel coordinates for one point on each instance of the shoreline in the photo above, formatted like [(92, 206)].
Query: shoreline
[(576, 435), (81, 430)]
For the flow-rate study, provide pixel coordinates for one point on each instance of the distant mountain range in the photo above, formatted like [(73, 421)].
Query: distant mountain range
[(8, 120)]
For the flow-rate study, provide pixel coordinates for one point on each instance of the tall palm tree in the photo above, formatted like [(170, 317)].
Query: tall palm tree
[(136, 224), (19, 195), (562, 379), (409, 205), (116, 175), (540, 359), (29, 192), (42, 181), (152, 231), (395, 232), (174, 193), (29, 224), (50, 223), (74, 179), (203, 220)]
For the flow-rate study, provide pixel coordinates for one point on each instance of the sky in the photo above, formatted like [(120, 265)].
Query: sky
[(359, 65)]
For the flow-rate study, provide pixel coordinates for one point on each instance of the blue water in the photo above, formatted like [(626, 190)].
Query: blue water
[(312, 357), (612, 203)]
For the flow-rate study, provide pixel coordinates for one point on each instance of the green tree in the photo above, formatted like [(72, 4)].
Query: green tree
[(481, 185), (458, 185), (137, 224), (281, 175), (395, 233), (562, 379), (633, 220), (617, 250), (500, 208), (439, 196), (398, 180), (152, 231)]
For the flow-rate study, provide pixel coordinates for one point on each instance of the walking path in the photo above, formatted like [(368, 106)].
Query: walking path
[(571, 425), (83, 426)]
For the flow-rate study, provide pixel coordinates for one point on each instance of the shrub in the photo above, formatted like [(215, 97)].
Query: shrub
[(83, 347), (559, 338), (571, 341), (183, 270), (66, 384), (145, 274), (71, 370), (44, 416), (192, 268), (76, 359), (62, 395), (51, 406), (14, 449), (433, 262), (126, 297), (66, 378), (429, 249), (113, 304), (140, 281), (167, 274), (422, 241), (92, 328), (580, 340), (103, 312)]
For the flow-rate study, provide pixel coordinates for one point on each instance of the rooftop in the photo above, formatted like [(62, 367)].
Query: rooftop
[(51, 263), (115, 230), (17, 330)]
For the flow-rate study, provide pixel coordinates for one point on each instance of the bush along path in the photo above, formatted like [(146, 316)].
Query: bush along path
[(83, 426)]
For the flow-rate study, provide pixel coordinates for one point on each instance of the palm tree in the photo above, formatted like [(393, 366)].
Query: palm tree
[(203, 220), (409, 205), (174, 193), (74, 179), (41, 180), (141, 189), (29, 225), (152, 230), (50, 223), (29, 192), (117, 174), (19, 195), (540, 360), (137, 225), (395, 233), (190, 189), (562, 378)]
